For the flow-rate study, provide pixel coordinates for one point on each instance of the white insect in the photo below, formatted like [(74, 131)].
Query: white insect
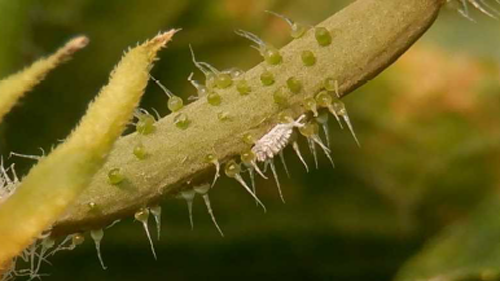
[(272, 143)]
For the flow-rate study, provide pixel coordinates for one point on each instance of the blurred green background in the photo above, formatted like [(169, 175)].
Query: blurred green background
[(430, 155)]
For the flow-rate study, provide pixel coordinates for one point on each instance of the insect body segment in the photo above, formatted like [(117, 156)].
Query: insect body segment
[(273, 142)]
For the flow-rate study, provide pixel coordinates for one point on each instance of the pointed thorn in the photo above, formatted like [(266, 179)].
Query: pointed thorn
[(217, 172), (325, 149), (242, 182), (256, 167), (349, 125), (326, 130), (252, 181), (146, 229), (282, 157), (211, 213), (297, 151), (312, 148), (275, 174)]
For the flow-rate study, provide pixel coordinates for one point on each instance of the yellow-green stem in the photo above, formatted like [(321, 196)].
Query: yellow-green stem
[(367, 37)]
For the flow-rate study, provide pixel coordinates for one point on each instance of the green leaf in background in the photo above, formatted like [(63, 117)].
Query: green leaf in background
[(469, 250)]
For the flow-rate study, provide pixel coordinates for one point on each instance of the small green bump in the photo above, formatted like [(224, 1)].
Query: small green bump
[(330, 85), (272, 56), (214, 98), (267, 78), (175, 103), (224, 80), (285, 117), (280, 96), (310, 104), (232, 169), (247, 157), (77, 239), (324, 99), (142, 215), (248, 139), (182, 121), (146, 124), (243, 88), (308, 58), (323, 36), (310, 129), (294, 85), (338, 106), (115, 176), (223, 116), (210, 158), (140, 151)]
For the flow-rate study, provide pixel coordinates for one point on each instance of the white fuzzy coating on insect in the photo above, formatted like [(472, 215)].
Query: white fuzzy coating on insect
[(276, 140)]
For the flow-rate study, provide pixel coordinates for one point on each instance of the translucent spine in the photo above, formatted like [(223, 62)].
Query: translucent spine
[(188, 195), (310, 131), (97, 235), (297, 29), (210, 158), (270, 53), (203, 191), (156, 212), (174, 102), (142, 216), (232, 170)]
